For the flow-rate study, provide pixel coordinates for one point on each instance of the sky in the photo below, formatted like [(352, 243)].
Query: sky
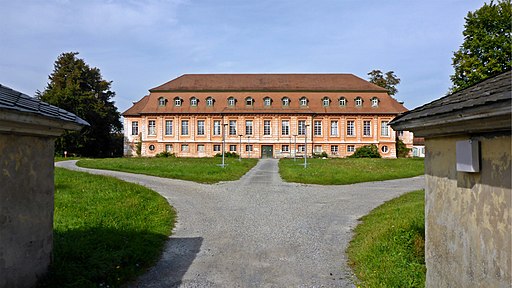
[(141, 44)]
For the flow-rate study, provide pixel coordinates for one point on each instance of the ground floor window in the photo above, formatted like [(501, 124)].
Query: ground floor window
[(216, 148), (334, 149), (384, 149), (301, 148), (351, 148), (318, 148), (248, 148), (168, 147), (285, 148), (184, 148), (232, 148), (200, 148), (152, 147)]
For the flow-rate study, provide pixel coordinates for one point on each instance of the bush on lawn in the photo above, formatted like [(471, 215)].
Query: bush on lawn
[(366, 151)]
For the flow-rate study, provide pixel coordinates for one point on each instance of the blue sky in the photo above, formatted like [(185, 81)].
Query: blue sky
[(141, 44)]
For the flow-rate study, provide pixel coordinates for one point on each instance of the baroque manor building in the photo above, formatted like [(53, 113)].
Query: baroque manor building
[(263, 115)]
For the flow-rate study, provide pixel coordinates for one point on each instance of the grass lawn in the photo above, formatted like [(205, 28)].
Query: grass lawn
[(202, 170), (335, 171), (106, 231), (388, 247)]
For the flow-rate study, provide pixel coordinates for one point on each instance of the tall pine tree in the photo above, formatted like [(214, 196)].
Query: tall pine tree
[(78, 88)]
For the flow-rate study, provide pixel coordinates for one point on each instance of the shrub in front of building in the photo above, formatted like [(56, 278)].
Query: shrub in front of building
[(366, 151)]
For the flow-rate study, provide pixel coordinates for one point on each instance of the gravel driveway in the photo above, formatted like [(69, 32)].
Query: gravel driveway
[(260, 231)]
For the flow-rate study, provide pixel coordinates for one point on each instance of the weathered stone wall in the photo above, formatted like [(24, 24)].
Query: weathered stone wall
[(468, 215), (26, 208)]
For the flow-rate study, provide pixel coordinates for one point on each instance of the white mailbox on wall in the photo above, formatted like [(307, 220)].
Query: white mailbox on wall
[(468, 156)]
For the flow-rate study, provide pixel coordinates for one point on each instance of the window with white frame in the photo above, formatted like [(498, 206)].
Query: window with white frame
[(168, 127), (350, 128), (216, 127), (161, 101), (266, 127), (367, 128), (248, 127), (177, 102), (400, 133), (301, 148), (318, 128), (285, 127), (375, 102), (285, 148), (286, 101), (303, 101), (301, 127), (200, 148), (216, 148), (359, 102), (248, 148), (249, 101), (193, 101), (151, 127), (384, 128), (334, 149), (168, 147), (267, 101), (318, 149), (334, 128), (351, 148), (200, 127), (231, 101), (184, 127), (384, 149), (326, 101), (151, 147), (184, 148), (232, 148), (209, 101), (232, 127), (343, 101), (135, 127)]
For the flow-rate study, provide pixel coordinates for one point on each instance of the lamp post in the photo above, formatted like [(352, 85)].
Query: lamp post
[(223, 143), (294, 147), (306, 147), (240, 156), (249, 146), (290, 147)]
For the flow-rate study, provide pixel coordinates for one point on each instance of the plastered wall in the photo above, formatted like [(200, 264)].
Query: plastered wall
[(26, 209), (468, 215)]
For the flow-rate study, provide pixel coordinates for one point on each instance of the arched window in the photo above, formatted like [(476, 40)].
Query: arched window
[(249, 101), (177, 101), (359, 102), (161, 101), (267, 101), (343, 101), (326, 101), (231, 101), (193, 101), (209, 101), (375, 102), (303, 101), (286, 101)]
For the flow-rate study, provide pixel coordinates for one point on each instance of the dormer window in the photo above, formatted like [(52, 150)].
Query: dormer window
[(375, 102), (303, 101), (249, 101), (326, 101), (343, 102), (359, 102), (177, 101), (267, 101), (161, 101), (231, 101), (209, 101), (193, 101), (286, 101)]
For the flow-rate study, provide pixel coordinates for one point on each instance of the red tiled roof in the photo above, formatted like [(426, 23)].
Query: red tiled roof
[(137, 107)]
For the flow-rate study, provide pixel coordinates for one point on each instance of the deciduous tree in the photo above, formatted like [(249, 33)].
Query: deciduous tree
[(80, 89), (388, 80), (487, 45)]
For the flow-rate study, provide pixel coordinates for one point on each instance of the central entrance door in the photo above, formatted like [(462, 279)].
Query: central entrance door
[(267, 151)]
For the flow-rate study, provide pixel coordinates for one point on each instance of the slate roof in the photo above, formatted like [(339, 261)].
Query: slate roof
[(268, 82), (494, 90), (13, 100)]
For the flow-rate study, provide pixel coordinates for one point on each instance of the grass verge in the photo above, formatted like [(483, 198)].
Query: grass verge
[(388, 247), (335, 171), (106, 231), (202, 170)]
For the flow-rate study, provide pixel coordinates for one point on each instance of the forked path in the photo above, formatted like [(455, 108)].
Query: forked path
[(260, 231)]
